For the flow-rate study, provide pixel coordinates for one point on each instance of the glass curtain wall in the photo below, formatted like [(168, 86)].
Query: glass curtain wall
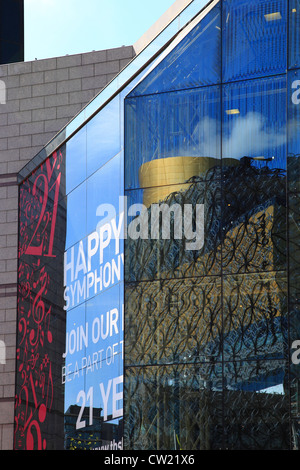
[(293, 196), (159, 251), (206, 328), (70, 306)]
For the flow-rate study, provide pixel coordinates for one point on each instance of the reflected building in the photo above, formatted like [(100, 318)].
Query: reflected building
[(191, 322), (172, 344), (98, 436)]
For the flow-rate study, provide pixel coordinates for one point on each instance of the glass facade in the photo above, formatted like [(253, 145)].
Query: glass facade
[(158, 249)]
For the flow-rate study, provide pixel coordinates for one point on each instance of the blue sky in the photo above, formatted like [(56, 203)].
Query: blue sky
[(55, 28)]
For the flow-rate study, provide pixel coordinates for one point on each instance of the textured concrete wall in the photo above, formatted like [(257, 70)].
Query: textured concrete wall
[(37, 99)]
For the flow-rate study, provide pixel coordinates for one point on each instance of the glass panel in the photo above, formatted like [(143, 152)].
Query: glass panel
[(43, 207), (76, 160), (173, 321), (94, 427), (76, 211), (93, 366), (191, 11), (254, 220), (294, 222), (41, 318), (91, 268), (104, 188), (75, 270), (75, 347), (178, 124), (105, 324), (254, 38), (295, 404), (256, 406), (174, 231), (194, 61), (255, 316), (103, 136), (254, 120), (294, 33), (294, 264), (294, 313), (107, 386), (294, 283), (294, 130), (173, 407)]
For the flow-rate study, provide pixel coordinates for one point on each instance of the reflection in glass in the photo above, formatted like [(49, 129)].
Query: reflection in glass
[(254, 119), (256, 406), (194, 61), (176, 321), (93, 373), (103, 136), (173, 407), (228, 300), (294, 221), (294, 265), (253, 219), (183, 124), (76, 160), (294, 33), (104, 188), (255, 316), (174, 251), (254, 38), (76, 211), (294, 312), (293, 130)]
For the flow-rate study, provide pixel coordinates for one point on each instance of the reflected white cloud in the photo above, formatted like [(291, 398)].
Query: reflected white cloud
[(249, 135)]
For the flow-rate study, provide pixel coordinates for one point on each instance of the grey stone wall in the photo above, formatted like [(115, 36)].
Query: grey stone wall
[(37, 99)]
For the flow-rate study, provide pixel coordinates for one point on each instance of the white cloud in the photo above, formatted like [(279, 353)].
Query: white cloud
[(251, 135)]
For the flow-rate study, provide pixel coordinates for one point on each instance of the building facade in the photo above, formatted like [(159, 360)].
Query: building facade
[(40, 97), (158, 247)]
